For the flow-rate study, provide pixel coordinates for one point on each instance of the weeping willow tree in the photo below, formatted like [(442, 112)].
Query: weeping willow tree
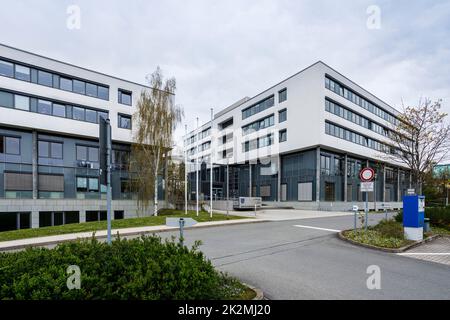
[(156, 119)]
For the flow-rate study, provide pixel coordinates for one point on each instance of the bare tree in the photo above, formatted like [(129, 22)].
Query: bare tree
[(156, 119), (421, 139)]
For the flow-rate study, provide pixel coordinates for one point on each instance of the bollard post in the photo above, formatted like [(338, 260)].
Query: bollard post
[(181, 231)]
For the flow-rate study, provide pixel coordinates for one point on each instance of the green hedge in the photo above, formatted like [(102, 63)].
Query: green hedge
[(144, 268), (439, 216)]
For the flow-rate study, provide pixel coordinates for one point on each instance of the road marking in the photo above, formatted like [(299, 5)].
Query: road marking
[(424, 254), (316, 228)]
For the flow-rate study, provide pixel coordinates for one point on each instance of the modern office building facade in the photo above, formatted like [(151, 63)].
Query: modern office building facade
[(301, 142), (49, 152)]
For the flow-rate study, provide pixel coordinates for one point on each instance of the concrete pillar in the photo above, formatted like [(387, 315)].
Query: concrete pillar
[(279, 179), (34, 162), (318, 174), (82, 216), (345, 177), (410, 180), (384, 184), (399, 197), (34, 219)]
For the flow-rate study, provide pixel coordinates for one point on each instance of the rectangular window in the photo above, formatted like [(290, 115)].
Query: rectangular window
[(79, 86), (283, 135), (44, 107), (52, 150), (22, 102), (258, 107), (93, 185), (12, 145), (65, 84), (125, 97), (6, 99), (56, 150), (45, 78), (124, 121), (78, 113), (282, 115), (81, 184), (91, 90), (91, 116), (93, 154), (81, 153), (6, 68), (282, 95), (103, 93), (59, 110), (23, 73)]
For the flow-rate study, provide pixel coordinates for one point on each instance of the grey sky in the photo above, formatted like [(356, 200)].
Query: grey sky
[(221, 51)]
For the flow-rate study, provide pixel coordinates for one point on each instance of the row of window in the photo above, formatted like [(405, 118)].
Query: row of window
[(204, 146), (42, 106), (53, 80), (350, 95), (258, 143), (340, 132), (201, 135), (345, 113), (258, 125), (258, 107)]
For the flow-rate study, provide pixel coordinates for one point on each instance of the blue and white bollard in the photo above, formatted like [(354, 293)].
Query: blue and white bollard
[(413, 217)]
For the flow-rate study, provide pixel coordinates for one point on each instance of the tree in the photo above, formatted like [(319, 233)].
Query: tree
[(421, 139), (175, 183), (156, 118)]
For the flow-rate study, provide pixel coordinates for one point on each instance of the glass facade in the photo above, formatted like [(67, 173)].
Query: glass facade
[(258, 107)]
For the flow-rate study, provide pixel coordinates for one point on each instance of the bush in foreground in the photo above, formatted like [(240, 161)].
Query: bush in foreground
[(144, 268), (439, 216)]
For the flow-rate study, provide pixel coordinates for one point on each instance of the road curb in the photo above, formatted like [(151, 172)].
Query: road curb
[(259, 292), (131, 233), (390, 250)]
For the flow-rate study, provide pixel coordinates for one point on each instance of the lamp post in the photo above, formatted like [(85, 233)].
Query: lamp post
[(211, 169), (196, 168), (185, 171)]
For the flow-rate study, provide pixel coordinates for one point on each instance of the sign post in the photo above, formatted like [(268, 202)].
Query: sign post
[(105, 167), (366, 176), (181, 223)]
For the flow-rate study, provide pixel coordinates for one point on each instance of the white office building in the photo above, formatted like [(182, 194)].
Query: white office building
[(49, 152), (300, 143)]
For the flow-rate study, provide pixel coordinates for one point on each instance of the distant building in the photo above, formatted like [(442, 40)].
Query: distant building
[(301, 142)]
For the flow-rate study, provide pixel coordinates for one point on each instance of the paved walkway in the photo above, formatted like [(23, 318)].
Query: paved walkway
[(287, 214), (437, 250), (49, 240)]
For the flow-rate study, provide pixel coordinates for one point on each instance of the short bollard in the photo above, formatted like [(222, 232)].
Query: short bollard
[(355, 211)]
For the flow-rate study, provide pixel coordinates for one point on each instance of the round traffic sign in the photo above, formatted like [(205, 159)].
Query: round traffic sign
[(366, 174)]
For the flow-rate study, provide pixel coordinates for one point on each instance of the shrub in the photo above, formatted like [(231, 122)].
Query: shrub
[(390, 229), (438, 215), (143, 268)]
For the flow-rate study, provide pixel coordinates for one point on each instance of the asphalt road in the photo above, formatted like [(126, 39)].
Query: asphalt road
[(289, 262)]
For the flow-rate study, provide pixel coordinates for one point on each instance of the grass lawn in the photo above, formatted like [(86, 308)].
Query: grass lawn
[(116, 224)]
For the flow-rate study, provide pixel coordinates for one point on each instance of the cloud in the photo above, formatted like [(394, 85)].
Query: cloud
[(221, 51)]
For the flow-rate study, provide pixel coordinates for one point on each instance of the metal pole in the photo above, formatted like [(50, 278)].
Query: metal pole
[(196, 168), (185, 171), (367, 209), (211, 170), (228, 187), (108, 179), (354, 219)]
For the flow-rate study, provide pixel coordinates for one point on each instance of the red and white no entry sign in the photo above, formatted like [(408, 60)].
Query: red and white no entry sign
[(366, 174)]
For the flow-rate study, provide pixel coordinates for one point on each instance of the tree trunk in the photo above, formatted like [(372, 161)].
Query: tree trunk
[(155, 211)]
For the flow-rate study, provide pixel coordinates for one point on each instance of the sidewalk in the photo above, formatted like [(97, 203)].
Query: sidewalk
[(51, 240)]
